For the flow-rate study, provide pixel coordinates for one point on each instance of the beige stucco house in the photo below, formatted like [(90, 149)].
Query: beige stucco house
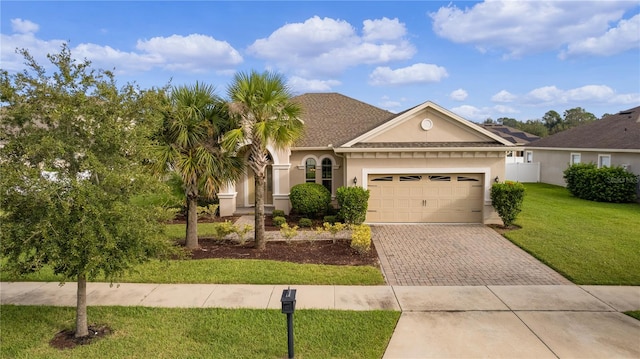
[(612, 141), (425, 164)]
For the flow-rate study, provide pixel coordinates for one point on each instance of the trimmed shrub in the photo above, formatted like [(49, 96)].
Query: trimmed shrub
[(353, 202), (310, 199), (277, 213), (606, 184), (361, 238), (507, 199), (279, 221), (223, 229), (305, 223)]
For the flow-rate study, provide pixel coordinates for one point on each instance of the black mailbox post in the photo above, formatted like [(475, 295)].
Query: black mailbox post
[(288, 301)]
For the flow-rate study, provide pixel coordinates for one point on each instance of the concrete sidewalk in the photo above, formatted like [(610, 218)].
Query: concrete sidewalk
[(555, 321)]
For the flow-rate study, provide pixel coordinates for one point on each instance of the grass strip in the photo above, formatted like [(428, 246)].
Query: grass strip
[(236, 271), (140, 332)]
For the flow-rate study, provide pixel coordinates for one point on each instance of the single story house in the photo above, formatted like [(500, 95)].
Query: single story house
[(612, 141), (425, 164)]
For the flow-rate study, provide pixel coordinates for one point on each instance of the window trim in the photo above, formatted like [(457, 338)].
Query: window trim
[(600, 157), (571, 161), (528, 156)]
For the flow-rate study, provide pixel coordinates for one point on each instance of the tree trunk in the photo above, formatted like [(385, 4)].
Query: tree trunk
[(82, 328), (260, 240), (192, 222)]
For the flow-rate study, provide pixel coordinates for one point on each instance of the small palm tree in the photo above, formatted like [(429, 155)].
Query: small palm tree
[(194, 121), (261, 103)]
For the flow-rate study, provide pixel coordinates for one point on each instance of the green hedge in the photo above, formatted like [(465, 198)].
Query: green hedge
[(310, 199), (606, 184), (507, 199), (353, 202)]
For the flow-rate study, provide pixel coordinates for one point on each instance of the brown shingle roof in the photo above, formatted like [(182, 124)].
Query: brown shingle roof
[(334, 119), (619, 131), (510, 134)]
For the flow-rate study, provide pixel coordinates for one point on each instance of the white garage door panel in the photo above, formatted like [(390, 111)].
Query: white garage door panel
[(438, 198)]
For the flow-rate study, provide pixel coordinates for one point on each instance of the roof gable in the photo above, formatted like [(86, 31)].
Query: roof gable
[(619, 131), (423, 126)]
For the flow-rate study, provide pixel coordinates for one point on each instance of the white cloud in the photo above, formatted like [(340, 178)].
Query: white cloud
[(589, 94), (24, 26), (327, 46), (503, 96), (191, 53), (194, 52), (383, 29), (472, 113), (479, 114), (417, 73), (525, 27), (459, 95), (37, 48), (623, 37), (300, 85)]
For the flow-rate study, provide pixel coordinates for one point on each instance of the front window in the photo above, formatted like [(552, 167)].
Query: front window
[(310, 170), (327, 174)]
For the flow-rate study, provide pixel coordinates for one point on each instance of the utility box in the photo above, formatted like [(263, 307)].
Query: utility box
[(288, 301)]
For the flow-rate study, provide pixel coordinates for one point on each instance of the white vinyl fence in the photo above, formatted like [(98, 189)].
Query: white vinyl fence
[(523, 172)]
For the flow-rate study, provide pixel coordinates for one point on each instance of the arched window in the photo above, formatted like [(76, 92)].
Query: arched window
[(310, 170), (327, 174)]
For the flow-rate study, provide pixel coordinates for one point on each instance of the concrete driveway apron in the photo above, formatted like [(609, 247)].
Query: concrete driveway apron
[(455, 255)]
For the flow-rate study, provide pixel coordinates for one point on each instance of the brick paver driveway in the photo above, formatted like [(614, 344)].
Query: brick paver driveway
[(441, 254)]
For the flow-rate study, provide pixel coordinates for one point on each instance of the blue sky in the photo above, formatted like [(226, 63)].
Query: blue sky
[(486, 59)]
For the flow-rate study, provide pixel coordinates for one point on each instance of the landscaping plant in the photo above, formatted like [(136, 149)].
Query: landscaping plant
[(353, 202), (288, 232), (310, 199), (605, 184), (361, 238), (507, 199), (71, 165)]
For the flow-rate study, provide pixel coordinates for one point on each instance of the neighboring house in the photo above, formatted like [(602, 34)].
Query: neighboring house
[(425, 164), (517, 167), (612, 141), (515, 136)]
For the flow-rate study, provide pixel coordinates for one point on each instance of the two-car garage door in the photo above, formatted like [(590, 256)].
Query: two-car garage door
[(436, 198)]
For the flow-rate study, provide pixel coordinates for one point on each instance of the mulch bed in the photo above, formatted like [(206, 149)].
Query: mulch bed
[(296, 251), (66, 339)]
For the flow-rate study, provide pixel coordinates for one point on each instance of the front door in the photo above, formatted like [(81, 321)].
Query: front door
[(268, 190)]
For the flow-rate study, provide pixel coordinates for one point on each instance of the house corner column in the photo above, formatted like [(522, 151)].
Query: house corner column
[(281, 187), (227, 197)]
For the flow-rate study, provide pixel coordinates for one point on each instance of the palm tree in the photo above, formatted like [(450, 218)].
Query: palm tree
[(194, 121), (261, 103)]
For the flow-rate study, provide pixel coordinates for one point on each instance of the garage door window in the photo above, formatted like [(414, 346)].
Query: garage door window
[(440, 178), (467, 179), (410, 178), (382, 179)]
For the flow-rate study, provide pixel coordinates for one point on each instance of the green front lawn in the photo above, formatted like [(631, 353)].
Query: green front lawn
[(198, 333), (588, 242)]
